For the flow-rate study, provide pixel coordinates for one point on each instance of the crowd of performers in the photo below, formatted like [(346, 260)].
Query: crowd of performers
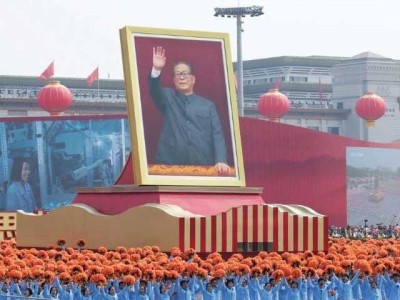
[(349, 270), (240, 287), (360, 232)]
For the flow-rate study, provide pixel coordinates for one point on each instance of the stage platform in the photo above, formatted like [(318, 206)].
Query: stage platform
[(199, 200)]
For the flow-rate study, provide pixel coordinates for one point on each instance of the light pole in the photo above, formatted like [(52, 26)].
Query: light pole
[(238, 13), (365, 226)]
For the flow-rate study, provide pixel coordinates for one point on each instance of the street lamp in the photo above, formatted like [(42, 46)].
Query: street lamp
[(238, 13)]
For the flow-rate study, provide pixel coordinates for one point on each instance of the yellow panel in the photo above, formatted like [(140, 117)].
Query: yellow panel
[(271, 225), (310, 233), (219, 232), (198, 234), (229, 237), (280, 231), (9, 220), (208, 234), (250, 224), (300, 233), (321, 234), (137, 227), (240, 224), (291, 232), (187, 234), (261, 228)]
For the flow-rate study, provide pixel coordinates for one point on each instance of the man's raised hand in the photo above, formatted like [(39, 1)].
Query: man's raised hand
[(159, 58)]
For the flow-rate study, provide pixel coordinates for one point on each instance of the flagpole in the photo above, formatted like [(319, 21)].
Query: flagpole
[(320, 89), (98, 83), (53, 68)]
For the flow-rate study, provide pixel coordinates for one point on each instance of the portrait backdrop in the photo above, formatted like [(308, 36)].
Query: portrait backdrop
[(207, 60), (209, 55)]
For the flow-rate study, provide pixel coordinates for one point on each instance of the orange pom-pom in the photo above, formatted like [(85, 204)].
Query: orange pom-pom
[(172, 274), (255, 271), (37, 271), (150, 274), (136, 272), (175, 252), (159, 274), (278, 274), (121, 250), (218, 273), (191, 268), (61, 268), (49, 276), (339, 271), (287, 270), (265, 267), (296, 273), (383, 253), (129, 279), (346, 263), (330, 268), (98, 279), (26, 273), (244, 269), (135, 257), (155, 249), (64, 276), (80, 278), (190, 252), (15, 274), (102, 250), (207, 266), (94, 269), (202, 272), (313, 263)]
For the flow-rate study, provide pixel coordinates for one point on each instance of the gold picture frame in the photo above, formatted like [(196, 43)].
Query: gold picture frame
[(210, 55)]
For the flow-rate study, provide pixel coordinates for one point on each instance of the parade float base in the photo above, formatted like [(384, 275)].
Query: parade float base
[(248, 228), (198, 200)]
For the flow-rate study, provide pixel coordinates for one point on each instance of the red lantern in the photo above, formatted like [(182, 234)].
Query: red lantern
[(273, 105), (370, 107), (54, 98)]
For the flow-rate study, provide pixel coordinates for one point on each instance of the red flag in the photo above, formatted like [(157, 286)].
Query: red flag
[(277, 83), (93, 77), (48, 72)]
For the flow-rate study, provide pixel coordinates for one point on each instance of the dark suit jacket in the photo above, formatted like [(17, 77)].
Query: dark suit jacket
[(192, 132)]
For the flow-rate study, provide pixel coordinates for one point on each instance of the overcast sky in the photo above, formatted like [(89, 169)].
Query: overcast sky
[(80, 35), (365, 157)]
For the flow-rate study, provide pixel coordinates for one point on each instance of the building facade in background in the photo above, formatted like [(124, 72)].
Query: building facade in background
[(18, 96), (322, 91), (306, 81), (364, 73)]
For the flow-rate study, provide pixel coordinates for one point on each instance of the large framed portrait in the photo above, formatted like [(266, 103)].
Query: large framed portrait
[(182, 108)]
